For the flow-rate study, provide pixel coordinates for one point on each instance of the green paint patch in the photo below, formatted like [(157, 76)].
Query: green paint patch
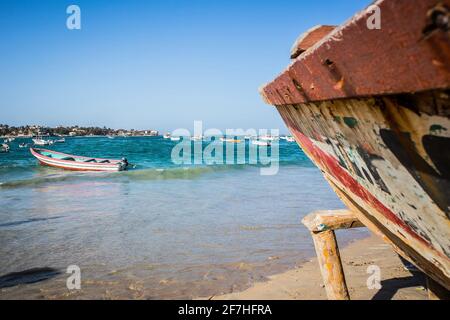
[(350, 122), (337, 119), (437, 128)]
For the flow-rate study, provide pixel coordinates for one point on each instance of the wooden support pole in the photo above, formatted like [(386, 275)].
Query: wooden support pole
[(330, 265), (322, 225)]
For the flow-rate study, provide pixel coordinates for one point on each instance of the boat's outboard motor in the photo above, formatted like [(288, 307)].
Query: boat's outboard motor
[(125, 162)]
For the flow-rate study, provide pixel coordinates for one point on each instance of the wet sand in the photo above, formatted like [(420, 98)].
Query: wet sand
[(305, 282)]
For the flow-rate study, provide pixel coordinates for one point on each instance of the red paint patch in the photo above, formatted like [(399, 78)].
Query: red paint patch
[(326, 161)]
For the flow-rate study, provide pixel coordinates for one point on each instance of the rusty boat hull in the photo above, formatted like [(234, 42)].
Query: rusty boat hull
[(371, 108)]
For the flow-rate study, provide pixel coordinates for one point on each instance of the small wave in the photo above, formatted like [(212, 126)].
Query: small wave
[(170, 173), (148, 174), (35, 181), (17, 223)]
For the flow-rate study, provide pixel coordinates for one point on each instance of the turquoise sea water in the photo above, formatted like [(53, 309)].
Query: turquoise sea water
[(159, 230)]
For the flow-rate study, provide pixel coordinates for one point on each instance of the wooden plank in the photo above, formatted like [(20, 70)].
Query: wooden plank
[(319, 221), (410, 53)]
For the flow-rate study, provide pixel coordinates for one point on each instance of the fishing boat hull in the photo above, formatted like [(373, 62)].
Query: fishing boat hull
[(56, 159), (383, 143), (395, 179)]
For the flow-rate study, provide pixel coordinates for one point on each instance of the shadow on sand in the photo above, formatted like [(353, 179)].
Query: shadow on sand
[(391, 286), (27, 276)]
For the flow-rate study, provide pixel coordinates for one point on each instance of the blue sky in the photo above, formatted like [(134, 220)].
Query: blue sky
[(151, 64)]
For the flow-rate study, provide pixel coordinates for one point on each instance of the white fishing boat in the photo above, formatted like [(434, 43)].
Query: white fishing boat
[(230, 140), (261, 143), (78, 163), (42, 142), (290, 139), (23, 145), (166, 136), (175, 138), (4, 148), (268, 138), (196, 138)]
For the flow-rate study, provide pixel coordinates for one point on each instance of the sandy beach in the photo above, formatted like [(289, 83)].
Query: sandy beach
[(305, 282)]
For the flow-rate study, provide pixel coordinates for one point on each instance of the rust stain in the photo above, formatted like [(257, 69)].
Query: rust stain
[(416, 34)]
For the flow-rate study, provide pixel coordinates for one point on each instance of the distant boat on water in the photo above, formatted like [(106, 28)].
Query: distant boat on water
[(62, 140), (268, 138), (261, 143), (196, 138), (166, 136), (42, 142), (175, 138), (5, 148), (77, 163), (230, 140)]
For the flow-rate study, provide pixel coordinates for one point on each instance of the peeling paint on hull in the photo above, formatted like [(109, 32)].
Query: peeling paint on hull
[(384, 163), (371, 108)]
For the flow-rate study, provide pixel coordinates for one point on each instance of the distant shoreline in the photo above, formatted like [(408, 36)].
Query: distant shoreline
[(30, 131), (81, 136)]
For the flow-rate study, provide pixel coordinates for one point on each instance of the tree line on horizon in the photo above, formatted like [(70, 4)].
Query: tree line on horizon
[(34, 130)]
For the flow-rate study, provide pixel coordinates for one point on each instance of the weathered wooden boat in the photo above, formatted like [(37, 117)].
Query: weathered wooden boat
[(371, 108), (77, 163)]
